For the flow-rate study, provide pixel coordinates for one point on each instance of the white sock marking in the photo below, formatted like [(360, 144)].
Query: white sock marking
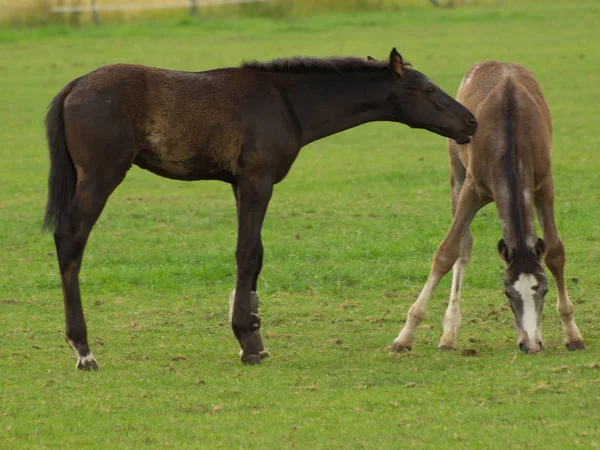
[(81, 359), (452, 317), (416, 313), (231, 300)]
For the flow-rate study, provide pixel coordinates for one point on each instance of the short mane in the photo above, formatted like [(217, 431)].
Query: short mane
[(317, 65)]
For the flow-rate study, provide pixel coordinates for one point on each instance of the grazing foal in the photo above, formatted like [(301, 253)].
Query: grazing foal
[(507, 161), (243, 126)]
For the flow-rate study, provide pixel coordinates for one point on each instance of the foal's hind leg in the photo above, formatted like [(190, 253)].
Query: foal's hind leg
[(253, 195), (555, 260), (254, 300), (443, 260), (70, 239)]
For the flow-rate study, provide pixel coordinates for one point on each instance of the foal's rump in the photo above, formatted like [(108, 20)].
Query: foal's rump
[(510, 107), (104, 116)]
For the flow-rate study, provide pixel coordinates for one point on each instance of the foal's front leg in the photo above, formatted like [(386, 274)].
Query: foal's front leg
[(555, 260), (252, 196), (443, 260), (453, 317)]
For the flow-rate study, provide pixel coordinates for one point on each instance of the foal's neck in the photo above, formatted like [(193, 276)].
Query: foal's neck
[(325, 104)]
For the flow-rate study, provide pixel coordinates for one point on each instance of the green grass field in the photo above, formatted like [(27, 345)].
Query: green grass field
[(348, 242)]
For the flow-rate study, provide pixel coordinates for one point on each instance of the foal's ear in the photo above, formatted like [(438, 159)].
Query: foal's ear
[(540, 249), (396, 62), (370, 58), (504, 251)]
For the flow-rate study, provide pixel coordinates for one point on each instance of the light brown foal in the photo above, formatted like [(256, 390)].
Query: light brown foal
[(507, 162)]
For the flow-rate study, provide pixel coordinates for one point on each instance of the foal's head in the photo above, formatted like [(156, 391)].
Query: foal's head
[(525, 285), (419, 103)]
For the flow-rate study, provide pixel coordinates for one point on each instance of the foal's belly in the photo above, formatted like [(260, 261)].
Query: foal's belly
[(184, 163)]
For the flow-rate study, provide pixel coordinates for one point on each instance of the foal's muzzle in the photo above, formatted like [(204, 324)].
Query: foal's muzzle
[(464, 137), (471, 124), (472, 121), (534, 348)]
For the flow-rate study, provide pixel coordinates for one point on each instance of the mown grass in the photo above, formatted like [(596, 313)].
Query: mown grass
[(348, 238)]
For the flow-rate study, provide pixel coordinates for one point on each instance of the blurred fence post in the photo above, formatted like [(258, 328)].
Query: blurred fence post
[(95, 17), (437, 4), (76, 9), (75, 17)]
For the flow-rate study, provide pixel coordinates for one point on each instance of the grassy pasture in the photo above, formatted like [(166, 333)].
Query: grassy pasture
[(348, 241)]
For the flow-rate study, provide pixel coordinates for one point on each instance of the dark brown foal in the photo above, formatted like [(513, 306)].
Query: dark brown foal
[(244, 126)]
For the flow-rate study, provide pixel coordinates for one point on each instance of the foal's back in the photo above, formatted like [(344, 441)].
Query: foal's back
[(508, 102), (181, 125)]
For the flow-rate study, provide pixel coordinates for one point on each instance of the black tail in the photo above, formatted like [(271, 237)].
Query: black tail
[(63, 178)]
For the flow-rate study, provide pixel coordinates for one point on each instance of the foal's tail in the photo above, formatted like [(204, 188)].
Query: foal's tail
[(510, 161), (63, 177), (509, 128)]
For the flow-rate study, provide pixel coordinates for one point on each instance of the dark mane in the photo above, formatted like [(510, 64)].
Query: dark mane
[(317, 65)]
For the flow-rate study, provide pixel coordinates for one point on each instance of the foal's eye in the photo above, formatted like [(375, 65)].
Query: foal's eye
[(430, 89)]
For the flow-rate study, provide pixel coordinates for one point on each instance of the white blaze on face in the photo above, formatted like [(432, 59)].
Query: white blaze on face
[(525, 287)]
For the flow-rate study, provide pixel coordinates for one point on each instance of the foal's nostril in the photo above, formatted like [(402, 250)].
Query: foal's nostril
[(471, 120), (523, 347)]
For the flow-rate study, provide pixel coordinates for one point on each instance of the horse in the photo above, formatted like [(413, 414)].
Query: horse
[(508, 162), (241, 125)]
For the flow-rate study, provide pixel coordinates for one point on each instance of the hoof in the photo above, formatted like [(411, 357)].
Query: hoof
[(575, 345), (87, 363), (446, 347), (398, 348), (251, 360)]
